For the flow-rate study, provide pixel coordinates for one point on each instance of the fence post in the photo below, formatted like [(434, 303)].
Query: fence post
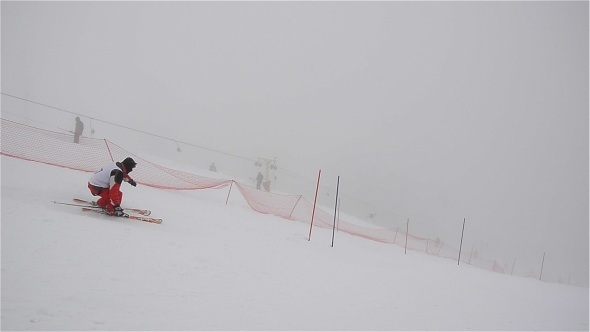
[(461, 245), (335, 210), (407, 231), (109, 149), (294, 206), (229, 192), (314, 204), (542, 264)]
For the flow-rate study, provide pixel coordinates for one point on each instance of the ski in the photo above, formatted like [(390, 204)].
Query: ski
[(143, 212), (140, 218)]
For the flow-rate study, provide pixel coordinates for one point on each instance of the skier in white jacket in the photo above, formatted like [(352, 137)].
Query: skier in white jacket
[(106, 183)]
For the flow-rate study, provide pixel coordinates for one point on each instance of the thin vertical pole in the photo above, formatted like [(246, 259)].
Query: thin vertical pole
[(335, 210), (461, 245), (109, 149), (513, 263), (542, 264), (314, 204), (294, 206), (229, 192), (407, 231)]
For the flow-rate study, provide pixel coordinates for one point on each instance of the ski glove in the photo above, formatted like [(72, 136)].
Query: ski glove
[(132, 182)]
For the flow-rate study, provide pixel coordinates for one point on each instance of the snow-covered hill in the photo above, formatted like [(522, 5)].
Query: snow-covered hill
[(212, 266)]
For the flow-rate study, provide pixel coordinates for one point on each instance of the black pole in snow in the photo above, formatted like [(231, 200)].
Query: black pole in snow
[(229, 192), (335, 210), (461, 245), (407, 231)]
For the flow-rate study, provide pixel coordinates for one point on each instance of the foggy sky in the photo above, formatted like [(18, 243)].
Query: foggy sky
[(436, 110)]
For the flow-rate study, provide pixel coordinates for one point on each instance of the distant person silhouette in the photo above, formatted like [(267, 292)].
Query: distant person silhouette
[(78, 130), (259, 180), (212, 168)]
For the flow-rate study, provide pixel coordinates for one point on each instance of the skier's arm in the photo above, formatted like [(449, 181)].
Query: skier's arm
[(129, 180)]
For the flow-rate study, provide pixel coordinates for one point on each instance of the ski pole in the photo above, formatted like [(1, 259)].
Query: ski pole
[(80, 205)]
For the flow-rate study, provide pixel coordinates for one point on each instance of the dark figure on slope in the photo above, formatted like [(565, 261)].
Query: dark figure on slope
[(106, 183), (78, 130), (259, 180)]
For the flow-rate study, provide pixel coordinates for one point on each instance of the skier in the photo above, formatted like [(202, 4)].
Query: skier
[(259, 180), (106, 183), (78, 130)]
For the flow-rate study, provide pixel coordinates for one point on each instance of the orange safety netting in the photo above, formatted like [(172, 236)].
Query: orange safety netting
[(35, 144)]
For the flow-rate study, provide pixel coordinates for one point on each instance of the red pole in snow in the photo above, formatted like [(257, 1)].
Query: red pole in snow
[(314, 203)]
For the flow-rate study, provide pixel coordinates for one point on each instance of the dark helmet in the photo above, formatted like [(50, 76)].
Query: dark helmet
[(129, 164)]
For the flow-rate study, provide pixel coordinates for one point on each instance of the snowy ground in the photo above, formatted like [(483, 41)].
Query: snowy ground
[(212, 266)]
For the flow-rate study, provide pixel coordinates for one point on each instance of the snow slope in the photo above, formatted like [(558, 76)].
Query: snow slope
[(212, 266)]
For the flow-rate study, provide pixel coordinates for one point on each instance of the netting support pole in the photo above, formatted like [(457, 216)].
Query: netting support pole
[(229, 192), (407, 231), (314, 204), (461, 244), (335, 210), (294, 206), (109, 149)]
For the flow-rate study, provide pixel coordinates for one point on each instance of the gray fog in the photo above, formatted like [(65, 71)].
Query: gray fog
[(432, 111)]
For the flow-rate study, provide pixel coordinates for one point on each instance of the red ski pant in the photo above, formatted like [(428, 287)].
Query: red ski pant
[(108, 197)]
